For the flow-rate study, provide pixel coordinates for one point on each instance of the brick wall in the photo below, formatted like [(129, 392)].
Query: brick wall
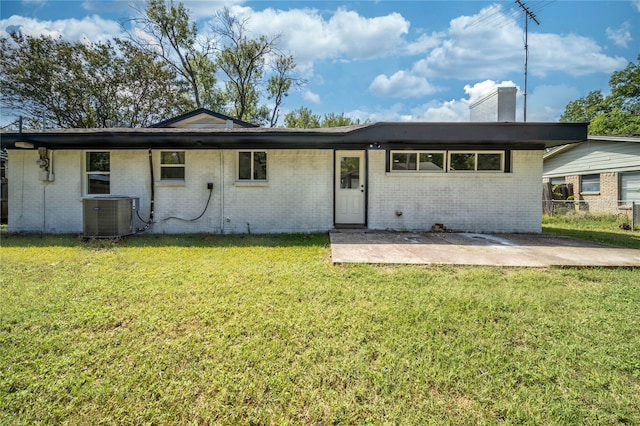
[(298, 196), (475, 202)]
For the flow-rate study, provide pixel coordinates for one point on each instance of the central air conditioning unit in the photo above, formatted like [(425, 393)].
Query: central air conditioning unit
[(108, 216)]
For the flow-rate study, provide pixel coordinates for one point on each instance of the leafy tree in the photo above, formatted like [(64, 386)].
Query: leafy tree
[(302, 118), (618, 113), (77, 85), (305, 119), (174, 39), (243, 61), (335, 120), (279, 85)]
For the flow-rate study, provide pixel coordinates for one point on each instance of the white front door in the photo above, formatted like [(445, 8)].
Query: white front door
[(350, 187)]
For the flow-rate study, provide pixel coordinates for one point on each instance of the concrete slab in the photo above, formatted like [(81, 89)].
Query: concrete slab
[(538, 250)]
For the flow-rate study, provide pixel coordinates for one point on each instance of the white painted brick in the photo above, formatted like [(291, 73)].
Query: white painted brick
[(297, 198), (475, 202)]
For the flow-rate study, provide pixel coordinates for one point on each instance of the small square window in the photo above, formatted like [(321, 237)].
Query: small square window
[(172, 165), (462, 161), (489, 162), (403, 161), (252, 165), (590, 183), (431, 162)]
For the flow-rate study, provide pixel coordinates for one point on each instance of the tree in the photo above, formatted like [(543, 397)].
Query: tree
[(174, 39), (279, 85), (243, 60), (305, 119), (302, 118), (618, 113), (335, 120), (79, 85)]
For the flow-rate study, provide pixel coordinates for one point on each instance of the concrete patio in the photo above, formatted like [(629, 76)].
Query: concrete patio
[(537, 250)]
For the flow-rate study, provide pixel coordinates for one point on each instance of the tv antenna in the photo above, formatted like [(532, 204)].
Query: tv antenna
[(528, 14)]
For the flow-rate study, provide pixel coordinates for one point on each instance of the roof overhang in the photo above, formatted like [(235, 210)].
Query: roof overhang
[(379, 135)]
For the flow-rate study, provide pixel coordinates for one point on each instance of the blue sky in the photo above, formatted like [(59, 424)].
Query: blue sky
[(401, 60)]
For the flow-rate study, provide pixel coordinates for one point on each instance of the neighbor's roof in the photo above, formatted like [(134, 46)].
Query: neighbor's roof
[(512, 135), (592, 138)]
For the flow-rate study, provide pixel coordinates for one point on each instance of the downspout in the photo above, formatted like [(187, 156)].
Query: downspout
[(222, 189), (153, 188), (50, 177)]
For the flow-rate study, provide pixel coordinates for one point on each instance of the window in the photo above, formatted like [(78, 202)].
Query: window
[(590, 183), (98, 172), (418, 161), (172, 165), (557, 181), (252, 165), (476, 161)]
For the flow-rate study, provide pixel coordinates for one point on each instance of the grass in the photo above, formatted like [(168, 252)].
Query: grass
[(199, 329), (601, 228)]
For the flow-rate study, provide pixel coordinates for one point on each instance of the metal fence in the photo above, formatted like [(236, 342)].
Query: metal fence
[(620, 211)]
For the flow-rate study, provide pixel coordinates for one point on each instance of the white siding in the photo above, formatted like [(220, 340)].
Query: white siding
[(594, 157), (477, 202)]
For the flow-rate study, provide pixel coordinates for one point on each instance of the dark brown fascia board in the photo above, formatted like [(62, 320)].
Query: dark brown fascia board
[(380, 135)]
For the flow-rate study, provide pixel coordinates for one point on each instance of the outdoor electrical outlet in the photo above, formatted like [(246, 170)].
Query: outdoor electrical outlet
[(210, 185)]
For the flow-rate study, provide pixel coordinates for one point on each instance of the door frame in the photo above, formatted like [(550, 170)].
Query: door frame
[(365, 170)]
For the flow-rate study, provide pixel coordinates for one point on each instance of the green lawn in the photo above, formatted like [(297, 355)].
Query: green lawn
[(263, 330), (601, 228)]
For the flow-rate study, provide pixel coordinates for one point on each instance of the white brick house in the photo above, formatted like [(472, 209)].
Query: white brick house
[(481, 177)]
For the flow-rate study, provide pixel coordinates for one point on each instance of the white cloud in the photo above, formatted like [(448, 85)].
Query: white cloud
[(620, 36), (309, 96), (401, 85), (343, 35), (576, 55), (423, 44), (490, 45), (636, 4), (93, 28)]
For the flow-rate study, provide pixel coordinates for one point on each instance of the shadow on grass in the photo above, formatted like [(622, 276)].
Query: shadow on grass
[(165, 240), (631, 239)]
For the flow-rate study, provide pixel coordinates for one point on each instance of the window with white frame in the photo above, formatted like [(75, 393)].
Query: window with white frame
[(98, 172), (418, 161), (470, 161), (252, 166), (172, 165)]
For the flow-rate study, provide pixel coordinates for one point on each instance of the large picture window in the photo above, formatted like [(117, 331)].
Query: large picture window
[(252, 165), (421, 161), (172, 165), (98, 173)]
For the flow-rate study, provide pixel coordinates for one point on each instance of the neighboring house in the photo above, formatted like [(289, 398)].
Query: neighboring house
[(480, 177), (603, 172)]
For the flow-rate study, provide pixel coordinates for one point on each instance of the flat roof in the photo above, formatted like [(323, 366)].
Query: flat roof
[(512, 135)]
